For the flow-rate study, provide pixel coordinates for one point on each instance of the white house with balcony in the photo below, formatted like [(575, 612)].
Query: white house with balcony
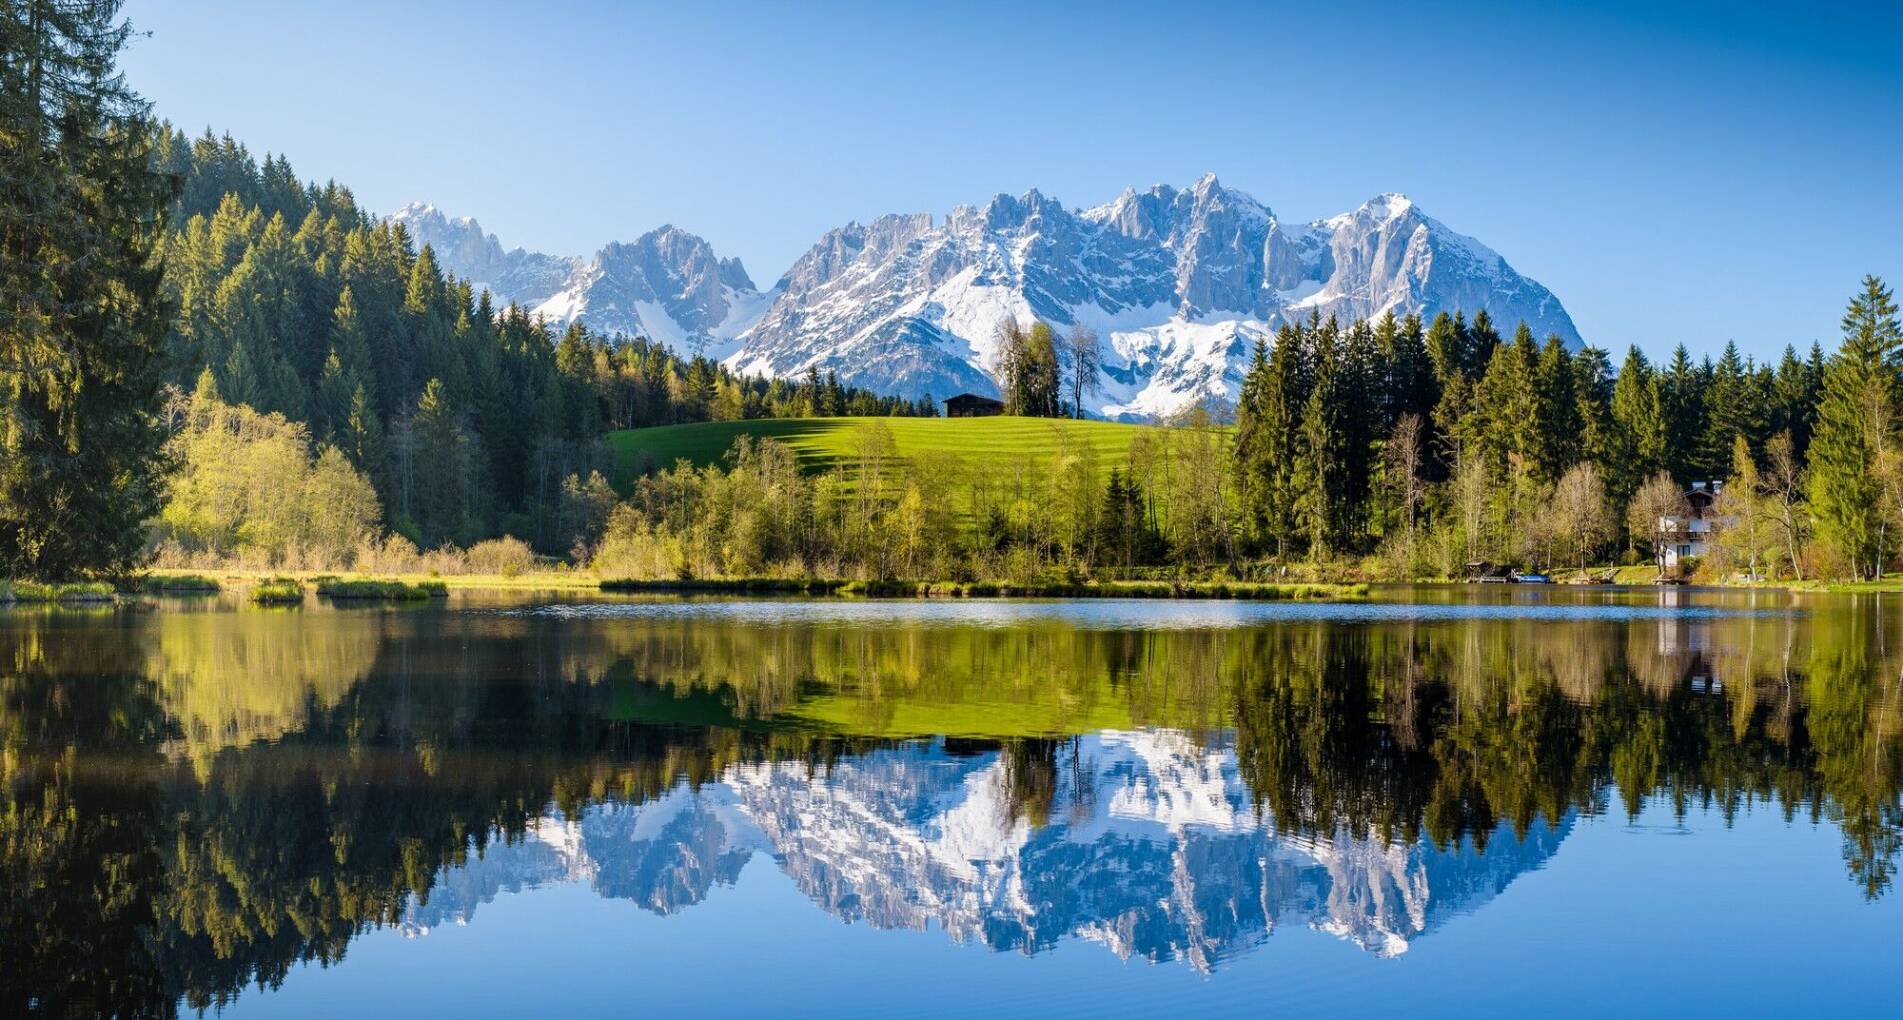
[(1692, 534)]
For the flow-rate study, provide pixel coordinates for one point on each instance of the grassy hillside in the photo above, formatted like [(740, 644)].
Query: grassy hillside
[(823, 442)]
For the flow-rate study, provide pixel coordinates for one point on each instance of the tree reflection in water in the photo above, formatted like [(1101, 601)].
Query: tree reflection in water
[(195, 801)]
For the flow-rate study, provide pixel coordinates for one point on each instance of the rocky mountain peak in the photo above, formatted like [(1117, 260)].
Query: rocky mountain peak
[(1179, 282), (667, 284), (1387, 206)]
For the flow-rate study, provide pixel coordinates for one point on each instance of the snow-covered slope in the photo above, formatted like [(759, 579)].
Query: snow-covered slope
[(1178, 283), (525, 278), (1152, 846), (666, 285)]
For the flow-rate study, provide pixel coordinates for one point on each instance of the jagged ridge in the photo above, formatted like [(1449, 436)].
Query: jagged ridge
[(1178, 282)]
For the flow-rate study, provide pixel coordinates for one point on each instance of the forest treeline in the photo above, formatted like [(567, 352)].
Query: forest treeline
[(1395, 449), (1438, 446), (466, 417), (134, 261), (154, 282)]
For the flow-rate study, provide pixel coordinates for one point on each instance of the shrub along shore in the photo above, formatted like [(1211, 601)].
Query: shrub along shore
[(999, 589), (278, 591), (384, 590), (71, 591)]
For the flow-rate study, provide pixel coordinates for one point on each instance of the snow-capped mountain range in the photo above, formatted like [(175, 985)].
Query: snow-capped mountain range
[(666, 285), (1178, 283), (1153, 848)]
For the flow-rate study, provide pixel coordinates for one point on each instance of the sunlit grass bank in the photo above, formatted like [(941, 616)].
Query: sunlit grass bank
[(278, 591), (992, 444), (539, 580), (72, 591), (380, 589), (178, 584), (1001, 589)]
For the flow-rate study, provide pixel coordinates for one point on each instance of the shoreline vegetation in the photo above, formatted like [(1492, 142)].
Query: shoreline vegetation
[(289, 383), (278, 591), (1240, 590), (281, 588), (381, 590)]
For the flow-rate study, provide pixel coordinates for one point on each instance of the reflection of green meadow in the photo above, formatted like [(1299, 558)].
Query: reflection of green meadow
[(238, 791)]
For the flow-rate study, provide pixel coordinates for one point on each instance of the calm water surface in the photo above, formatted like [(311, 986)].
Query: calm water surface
[(1452, 801)]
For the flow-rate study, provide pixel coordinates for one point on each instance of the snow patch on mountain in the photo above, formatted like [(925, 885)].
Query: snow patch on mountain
[(1178, 283), (667, 285)]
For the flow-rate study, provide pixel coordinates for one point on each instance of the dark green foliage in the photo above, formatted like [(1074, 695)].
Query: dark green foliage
[(1507, 406), (300, 302), (1795, 389), (1856, 428), (81, 210), (1682, 401), (1736, 402), (1593, 382), (1561, 430), (1128, 533), (1637, 446)]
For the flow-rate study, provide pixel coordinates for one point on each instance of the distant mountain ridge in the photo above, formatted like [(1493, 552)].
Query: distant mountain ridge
[(1178, 282), (666, 285)]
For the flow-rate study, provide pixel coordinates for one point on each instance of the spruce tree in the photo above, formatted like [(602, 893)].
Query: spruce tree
[(1412, 372), (1593, 382), (1856, 427), (1482, 338), (1638, 427), (1283, 396), (1561, 432), (1682, 398), (1249, 450), (1321, 461), (1733, 410), (1506, 405), (1445, 347), (81, 217)]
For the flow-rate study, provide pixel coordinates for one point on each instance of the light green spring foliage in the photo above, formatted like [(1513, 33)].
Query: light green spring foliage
[(249, 486), (278, 591), (958, 499)]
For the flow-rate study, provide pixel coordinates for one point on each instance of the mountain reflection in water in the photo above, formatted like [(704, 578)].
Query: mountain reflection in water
[(196, 800), (1150, 846)]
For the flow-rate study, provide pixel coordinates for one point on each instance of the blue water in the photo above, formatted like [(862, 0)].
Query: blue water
[(1441, 802)]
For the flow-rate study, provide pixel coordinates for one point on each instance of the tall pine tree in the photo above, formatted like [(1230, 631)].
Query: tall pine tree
[(81, 216), (1856, 427)]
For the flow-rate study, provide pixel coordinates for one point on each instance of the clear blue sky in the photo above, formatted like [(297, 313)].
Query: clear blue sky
[(1675, 172)]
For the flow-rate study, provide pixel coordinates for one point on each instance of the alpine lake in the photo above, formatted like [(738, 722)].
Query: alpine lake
[(1443, 801)]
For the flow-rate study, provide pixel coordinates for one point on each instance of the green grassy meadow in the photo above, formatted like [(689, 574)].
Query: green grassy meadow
[(822, 443)]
